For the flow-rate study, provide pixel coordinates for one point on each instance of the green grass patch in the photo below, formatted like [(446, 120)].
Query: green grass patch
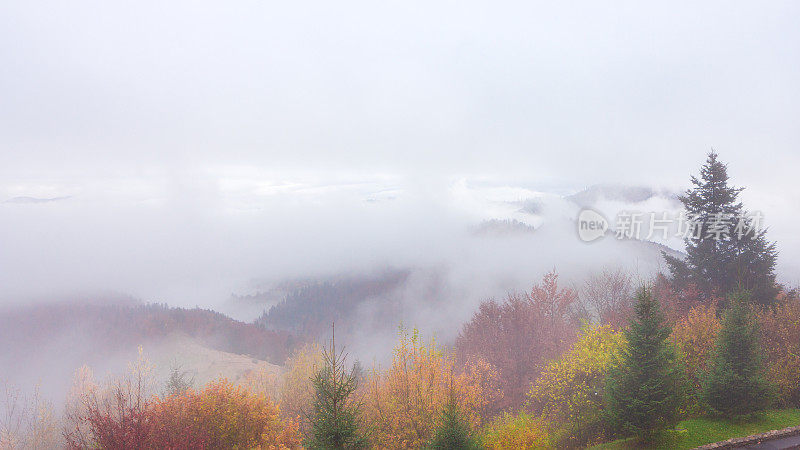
[(695, 432)]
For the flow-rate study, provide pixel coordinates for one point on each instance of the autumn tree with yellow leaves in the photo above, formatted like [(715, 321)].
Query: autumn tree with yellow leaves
[(569, 392), (405, 403)]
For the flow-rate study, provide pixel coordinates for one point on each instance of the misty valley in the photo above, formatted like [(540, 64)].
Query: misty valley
[(399, 225), (471, 342)]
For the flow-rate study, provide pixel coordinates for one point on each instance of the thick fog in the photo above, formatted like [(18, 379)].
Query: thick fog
[(198, 152), (187, 151)]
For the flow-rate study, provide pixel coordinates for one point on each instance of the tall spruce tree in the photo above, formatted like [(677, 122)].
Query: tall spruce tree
[(335, 421), (643, 393), (725, 250), (735, 384)]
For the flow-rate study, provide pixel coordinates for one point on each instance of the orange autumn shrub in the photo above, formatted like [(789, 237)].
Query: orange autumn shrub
[(694, 336), (511, 432), (780, 340), (404, 404), (221, 415), (484, 378), (123, 412)]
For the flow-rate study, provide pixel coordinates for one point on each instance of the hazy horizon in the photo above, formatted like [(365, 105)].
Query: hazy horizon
[(182, 151)]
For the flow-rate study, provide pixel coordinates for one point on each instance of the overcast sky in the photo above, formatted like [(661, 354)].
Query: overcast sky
[(580, 92), (191, 100)]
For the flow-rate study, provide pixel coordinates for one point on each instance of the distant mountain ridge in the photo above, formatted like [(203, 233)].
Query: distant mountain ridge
[(620, 193), (310, 306), (112, 326)]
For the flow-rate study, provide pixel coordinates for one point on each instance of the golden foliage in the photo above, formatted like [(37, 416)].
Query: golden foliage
[(295, 390), (569, 392), (220, 416), (694, 336), (780, 339), (404, 403), (511, 432)]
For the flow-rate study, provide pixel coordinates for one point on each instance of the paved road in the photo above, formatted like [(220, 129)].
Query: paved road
[(777, 444)]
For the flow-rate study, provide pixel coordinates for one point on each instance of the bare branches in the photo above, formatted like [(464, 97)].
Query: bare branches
[(26, 422)]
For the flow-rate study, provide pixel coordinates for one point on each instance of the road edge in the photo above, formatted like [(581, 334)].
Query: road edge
[(753, 439)]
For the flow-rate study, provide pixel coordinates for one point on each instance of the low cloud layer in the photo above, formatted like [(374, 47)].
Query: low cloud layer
[(187, 151)]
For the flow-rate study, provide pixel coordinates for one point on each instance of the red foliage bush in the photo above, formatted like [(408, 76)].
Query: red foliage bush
[(124, 416), (677, 302), (519, 335), (112, 417)]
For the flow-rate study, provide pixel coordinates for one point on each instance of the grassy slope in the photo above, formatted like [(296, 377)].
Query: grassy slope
[(695, 432)]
